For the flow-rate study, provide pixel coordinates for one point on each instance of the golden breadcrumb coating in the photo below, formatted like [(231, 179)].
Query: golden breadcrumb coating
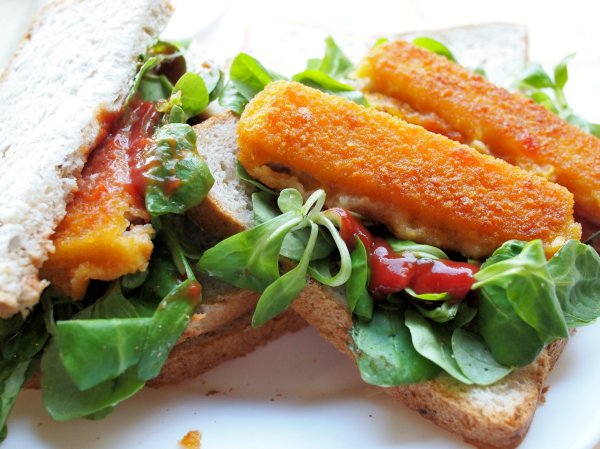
[(512, 127), (104, 234), (422, 185)]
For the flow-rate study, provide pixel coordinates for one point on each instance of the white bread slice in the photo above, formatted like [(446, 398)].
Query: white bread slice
[(224, 212), (77, 61), (495, 416), (499, 48)]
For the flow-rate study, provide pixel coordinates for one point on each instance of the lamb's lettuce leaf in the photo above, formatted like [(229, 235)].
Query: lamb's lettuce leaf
[(357, 293), (537, 84), (575, 270), (114, 342), (63, 400), (474, 358), (334, 63), (179, 178), (385, 354), (434, 46), (19, 359), (526, 284), (281, 293), (247, 77), (250, 259), (434, 342)]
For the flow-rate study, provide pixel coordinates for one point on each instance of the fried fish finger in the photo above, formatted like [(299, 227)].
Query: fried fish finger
[(421, 185), (105, 234), (512, 127)]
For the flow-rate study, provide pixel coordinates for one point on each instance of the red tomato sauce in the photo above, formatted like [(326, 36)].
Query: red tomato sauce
[(391, 272), (137, 136)]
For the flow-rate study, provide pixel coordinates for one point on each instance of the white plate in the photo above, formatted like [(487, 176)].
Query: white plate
[(298, 392)]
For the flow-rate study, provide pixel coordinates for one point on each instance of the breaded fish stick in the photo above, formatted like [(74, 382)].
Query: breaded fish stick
[(423, 186), (513, 127), (104, 235)]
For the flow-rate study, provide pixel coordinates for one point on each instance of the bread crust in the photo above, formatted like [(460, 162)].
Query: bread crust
[(212, 214), (199, 354), (456, 407)]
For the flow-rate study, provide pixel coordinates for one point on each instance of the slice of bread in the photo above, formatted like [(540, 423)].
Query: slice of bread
[(495, 416), (74, 69), (499, 48), (220, 330)]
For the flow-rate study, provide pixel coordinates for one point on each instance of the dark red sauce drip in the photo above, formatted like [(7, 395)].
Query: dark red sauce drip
[(194, 291), (135, 136), (392, 272)]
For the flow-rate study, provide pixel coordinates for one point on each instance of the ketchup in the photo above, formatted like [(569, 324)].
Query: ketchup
[(136, 135), (392, 272)]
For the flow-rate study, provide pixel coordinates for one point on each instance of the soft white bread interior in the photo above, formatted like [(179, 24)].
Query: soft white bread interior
[(77, 62), (495, 416)]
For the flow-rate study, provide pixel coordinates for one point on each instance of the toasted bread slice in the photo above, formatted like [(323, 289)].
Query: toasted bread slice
[(495, 416), (220, 330)]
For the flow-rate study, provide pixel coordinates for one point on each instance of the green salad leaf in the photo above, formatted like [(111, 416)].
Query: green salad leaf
[(416, 249), (13, 375), (434, 342), (498, 319), (357, 293), (384, 351), (181, 178), (248, 77), (474, 358), (19, 359), (575, 270), (434, 46), (192, 94), (250, 259), (295, 242), (525, 282), (445, 312), (63, 400), (334, 63), (280, 294), (114, 342), (166, 326), (537, 84)]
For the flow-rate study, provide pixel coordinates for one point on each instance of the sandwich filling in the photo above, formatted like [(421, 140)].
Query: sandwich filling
[(106, 232)]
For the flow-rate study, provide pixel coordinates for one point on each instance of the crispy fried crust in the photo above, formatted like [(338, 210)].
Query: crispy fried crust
[(423, 186), (513, 127)]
